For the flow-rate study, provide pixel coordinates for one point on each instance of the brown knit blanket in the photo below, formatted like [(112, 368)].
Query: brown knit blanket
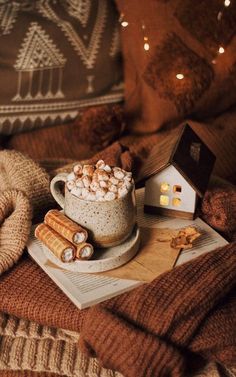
[(165, 328)]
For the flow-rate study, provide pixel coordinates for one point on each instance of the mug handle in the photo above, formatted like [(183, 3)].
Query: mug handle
[(55, 190)]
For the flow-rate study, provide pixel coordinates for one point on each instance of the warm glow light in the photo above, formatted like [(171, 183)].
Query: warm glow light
[(176, 202), (221, 50), (227, 3), (146, 46), (179, 76), (165, 187), (164, 200), (124, 23)]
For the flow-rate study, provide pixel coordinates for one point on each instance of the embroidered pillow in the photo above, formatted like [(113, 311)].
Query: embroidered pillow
[(56, 57), (180, 59)]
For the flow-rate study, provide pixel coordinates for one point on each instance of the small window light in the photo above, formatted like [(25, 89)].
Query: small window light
[(180, 76), (165, 187), (164, 200), (176, 202), (227, 3), (177, 188), (146, 46), (221, 50)]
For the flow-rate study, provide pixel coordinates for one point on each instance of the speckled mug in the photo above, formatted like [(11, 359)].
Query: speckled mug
[(109, 223)]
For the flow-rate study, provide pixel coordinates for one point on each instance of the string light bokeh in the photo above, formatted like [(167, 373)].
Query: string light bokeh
[(146, 44)]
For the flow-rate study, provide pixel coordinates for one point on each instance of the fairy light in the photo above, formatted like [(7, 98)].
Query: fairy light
[(221, 50), (146, 44), (122, 21), (227, 3), (180, 76)]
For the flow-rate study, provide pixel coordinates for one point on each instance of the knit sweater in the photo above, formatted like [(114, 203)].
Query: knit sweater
[(26, 345), (155, 329)]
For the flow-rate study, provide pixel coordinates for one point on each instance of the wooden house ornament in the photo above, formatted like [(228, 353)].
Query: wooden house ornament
[(176, 174)]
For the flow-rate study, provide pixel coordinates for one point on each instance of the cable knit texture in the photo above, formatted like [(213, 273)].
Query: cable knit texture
[(22, 173), (27, 345), (15, 221)]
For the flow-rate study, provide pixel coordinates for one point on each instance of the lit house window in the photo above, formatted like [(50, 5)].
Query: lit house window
[(164, 200), (176, 202), (165, 187), (177, 188)]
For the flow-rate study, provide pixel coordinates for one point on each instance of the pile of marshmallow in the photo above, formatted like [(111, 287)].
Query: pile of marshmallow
[(99, 182)]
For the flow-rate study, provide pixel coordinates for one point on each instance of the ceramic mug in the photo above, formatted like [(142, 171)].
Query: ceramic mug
[(109, 223)]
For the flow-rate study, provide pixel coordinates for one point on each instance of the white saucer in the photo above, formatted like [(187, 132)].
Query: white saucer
[(103, 259)]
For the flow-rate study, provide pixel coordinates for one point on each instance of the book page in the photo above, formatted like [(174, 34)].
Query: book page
[(83, 290)]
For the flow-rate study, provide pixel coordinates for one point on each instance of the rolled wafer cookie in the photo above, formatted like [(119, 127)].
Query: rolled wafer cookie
[(59, 246), (84, 251), (65, 227)]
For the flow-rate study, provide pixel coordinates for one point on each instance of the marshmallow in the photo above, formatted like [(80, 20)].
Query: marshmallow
[(112, 188), (114, 180), (94, 186), (71, 176), (102, 175), (128, 174), (118, 173), (70, 185), (110, 196), (100, 192), (86, 181), (107, 168), (88, 170), (77, 191), (103, 184), (84, 193), (91, 196), (122, 192), (79, 183), (78, 169), (128, 185), (100, 164), (127, 178), (101, 199)]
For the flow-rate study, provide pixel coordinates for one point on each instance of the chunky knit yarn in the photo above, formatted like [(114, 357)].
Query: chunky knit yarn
[(27, 345), (23, 174), (15, 221)]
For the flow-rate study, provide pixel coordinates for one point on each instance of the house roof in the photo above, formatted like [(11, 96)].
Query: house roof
[(183, 149)]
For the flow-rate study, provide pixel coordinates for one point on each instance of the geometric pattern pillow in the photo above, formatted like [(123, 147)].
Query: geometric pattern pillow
[(56, 57), (179, 60)]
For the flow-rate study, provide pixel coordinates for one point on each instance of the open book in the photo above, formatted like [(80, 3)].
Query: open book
[(153, 258)]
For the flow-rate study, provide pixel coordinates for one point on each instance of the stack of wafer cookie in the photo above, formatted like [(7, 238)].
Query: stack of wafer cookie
[(65, 238)]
